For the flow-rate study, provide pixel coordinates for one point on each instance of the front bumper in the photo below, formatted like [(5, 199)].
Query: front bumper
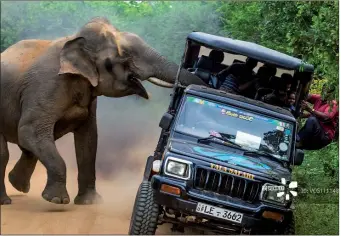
[(188, 199)]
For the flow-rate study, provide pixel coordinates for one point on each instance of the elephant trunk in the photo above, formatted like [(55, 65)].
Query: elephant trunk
[(165, 71)]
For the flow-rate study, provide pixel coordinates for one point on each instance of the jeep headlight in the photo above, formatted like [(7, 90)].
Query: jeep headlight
[(272, 193), (178, 168)]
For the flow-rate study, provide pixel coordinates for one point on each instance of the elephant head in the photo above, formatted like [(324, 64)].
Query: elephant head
[(116, 62)]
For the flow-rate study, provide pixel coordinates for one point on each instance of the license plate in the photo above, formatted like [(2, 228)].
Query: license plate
[(219, 212)]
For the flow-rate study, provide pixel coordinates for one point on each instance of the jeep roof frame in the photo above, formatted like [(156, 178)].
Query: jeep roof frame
[(252, 50), (303, 71)]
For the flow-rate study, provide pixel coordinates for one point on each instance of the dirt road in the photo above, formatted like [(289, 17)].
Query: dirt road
[(30, 214)]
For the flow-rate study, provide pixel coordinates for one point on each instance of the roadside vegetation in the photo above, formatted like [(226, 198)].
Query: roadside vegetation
[(308, 30)]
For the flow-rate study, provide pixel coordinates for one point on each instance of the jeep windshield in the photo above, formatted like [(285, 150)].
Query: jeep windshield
[(253, 132)]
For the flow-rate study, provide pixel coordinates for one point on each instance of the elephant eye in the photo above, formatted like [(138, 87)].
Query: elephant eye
[(108, 65)]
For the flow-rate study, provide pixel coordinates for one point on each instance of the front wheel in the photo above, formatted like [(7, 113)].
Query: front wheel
[(145, 212)]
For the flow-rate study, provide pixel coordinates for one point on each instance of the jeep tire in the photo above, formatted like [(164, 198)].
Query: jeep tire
[(145, 212)]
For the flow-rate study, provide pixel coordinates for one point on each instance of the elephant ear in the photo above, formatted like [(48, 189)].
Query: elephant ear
[(75, 59)]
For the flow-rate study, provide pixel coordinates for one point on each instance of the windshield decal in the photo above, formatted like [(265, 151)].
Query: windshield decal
[(236, 115), (248, 140), (226, 110), (280, 128), (231, 158)]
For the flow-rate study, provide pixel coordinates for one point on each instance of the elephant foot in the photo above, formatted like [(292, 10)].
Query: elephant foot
[(88, 198), (20, 183), (5, 200), (56, 193)]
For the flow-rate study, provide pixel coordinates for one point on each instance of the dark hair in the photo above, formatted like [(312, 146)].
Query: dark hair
[(216, 56), (287, 78), (251, 61), (271, 70), (292, 92)]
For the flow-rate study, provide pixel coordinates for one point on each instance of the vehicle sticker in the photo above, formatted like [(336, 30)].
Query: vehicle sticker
[(215, 133), (236, 115), (280, 128), (232, 171), (287, 132), (283, 147), (248, 140), (230, 111), (248, 118)]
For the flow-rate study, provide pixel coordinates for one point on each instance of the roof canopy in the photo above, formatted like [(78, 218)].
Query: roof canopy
[(248, 49)]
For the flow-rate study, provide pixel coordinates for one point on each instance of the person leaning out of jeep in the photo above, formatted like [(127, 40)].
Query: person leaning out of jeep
[(320, 127)]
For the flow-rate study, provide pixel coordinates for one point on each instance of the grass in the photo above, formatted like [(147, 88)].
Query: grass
[(317, 219), (317, 203)]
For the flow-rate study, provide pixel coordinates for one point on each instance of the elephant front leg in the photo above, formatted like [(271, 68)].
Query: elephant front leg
[(86, 147), (20, 175), (36, 136), (4, 157)]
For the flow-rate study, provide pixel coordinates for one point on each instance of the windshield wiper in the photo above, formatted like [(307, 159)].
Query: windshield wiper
[(219, 140), (262, 153)]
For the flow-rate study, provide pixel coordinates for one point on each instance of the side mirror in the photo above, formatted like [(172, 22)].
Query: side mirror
[(298, 158), (166, 121)]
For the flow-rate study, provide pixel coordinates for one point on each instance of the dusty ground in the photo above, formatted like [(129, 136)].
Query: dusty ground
[(31, 214)]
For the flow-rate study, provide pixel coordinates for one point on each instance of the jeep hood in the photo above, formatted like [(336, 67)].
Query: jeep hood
[(258, 165)]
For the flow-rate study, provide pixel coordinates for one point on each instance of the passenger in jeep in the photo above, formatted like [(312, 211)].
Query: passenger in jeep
[(291, 101), (287, 79), (279, 97), (319, 129), (236, 77), (261, 81)]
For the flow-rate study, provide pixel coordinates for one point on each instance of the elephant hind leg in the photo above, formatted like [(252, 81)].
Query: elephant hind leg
[(20, 175), (4, 157)]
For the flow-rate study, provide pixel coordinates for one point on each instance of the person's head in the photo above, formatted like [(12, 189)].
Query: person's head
[(281, 91), (287, 80), (264, 74), (292, 98), (327, 92), (251, 63), (216, 56), (271, 70)]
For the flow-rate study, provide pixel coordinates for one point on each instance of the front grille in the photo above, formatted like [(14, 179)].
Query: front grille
[(226, 184)]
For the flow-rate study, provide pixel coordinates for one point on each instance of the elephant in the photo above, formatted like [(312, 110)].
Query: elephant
[(50, 87)]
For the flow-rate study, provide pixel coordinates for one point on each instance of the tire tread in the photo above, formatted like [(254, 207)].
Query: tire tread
[(145, 212)]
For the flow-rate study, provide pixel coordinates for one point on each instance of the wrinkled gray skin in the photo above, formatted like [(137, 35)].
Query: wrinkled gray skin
[(49, 88)]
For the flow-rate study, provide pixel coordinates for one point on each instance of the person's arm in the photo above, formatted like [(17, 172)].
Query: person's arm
[(225, 72), (247, 84), (232, 69), (305, 115), (321, 115)]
